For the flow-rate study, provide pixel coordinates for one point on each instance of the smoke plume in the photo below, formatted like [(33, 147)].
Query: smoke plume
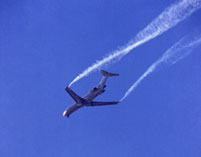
[(177, 52), (170, 17)]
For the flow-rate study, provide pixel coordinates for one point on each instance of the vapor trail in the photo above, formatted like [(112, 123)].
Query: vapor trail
[(178, 51), (171, 16)]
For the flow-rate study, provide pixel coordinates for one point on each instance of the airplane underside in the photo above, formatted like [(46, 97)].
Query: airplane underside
[(88, 99)]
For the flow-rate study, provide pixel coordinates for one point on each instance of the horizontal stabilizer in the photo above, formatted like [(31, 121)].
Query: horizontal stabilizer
[(107, 74), (93, 103), (77, 98)]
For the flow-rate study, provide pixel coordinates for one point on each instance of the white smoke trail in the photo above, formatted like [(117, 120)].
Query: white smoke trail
[(178, 51), (166, 20)]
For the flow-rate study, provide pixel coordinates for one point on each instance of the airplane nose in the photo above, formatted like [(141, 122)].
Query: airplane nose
[(64, 113)]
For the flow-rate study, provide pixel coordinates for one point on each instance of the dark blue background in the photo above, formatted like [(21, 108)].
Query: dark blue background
[(44, 44)]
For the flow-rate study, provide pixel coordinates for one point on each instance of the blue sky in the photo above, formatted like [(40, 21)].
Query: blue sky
[(45, 44)]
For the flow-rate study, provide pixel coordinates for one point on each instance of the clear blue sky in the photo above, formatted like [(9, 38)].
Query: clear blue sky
[(44, 44)]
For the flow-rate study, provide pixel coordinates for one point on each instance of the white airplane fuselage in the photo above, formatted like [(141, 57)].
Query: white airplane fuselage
[(87, 100)]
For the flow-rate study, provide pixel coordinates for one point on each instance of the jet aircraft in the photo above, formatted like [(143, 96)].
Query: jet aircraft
[(88, 99)]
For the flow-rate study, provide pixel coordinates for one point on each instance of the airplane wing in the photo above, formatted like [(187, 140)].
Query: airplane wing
[(93, 103), (77, 98)]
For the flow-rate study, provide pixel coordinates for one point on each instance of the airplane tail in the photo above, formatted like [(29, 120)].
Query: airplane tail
[(107, 74)]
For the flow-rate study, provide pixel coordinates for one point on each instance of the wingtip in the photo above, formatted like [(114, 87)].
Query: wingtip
[(67, 87)]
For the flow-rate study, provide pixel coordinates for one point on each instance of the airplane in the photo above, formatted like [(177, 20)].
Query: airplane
[(88, 99)]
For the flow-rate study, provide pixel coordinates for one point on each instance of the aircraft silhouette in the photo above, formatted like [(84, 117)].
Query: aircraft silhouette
[(88, 99)]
